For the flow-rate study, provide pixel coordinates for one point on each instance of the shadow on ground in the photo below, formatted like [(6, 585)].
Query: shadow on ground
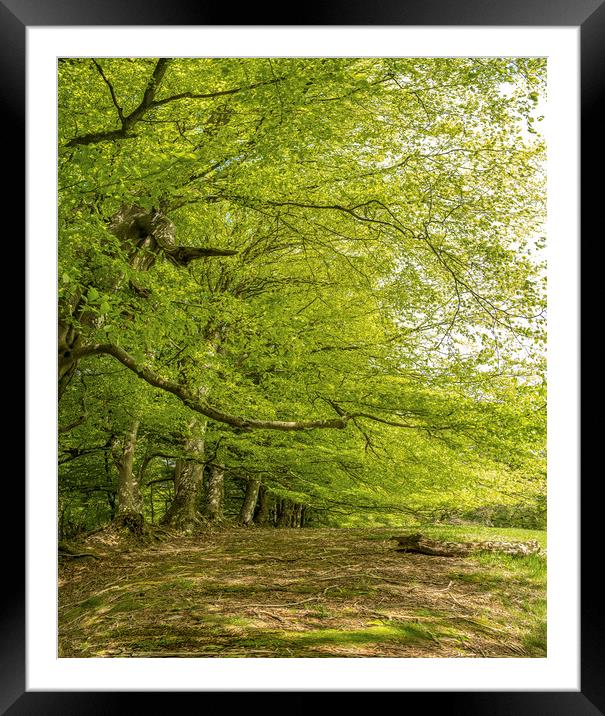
[(299, 593)]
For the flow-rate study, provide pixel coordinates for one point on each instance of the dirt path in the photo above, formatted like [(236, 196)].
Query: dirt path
[(288, 593)]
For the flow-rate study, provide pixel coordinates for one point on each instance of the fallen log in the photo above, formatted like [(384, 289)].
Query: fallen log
[(419, 544)]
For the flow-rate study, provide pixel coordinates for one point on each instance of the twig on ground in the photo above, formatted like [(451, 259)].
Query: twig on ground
[(384, 579), (285, 604), (333, 576), (269, 614), (453, 598)]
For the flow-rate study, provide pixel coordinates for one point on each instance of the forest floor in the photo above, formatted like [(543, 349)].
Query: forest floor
[(266, 592)]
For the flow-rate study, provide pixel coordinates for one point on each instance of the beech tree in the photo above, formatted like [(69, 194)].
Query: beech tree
[(332, 265)]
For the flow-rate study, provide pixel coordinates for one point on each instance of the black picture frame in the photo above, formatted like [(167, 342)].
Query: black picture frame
[(589, 16)]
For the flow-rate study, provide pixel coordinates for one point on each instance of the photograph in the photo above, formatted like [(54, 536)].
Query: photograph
[(302, 322)]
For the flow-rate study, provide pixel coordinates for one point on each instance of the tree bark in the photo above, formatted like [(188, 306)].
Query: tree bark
[(68, 342), (129, 512), (246, 512), (183, 514), (296, 515), (284, 513), (263, 504), (215, 494)]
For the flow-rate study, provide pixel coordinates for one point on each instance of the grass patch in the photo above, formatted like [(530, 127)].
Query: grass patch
[(530, 567), (79, 610), (478, 533), (154, 643), (128, 603), (501, 572), (178, 584), (534, 618), (91, 603), (235, 588), (320, 611), (368, 635), (425, 612), (535, 641), (485, 581)]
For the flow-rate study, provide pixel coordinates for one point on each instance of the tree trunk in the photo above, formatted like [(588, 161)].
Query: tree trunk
[(246, 512), (129, 511), (263, 504), (296, 515), (68, 342), (215, 494), (284, 513), (183, 514)]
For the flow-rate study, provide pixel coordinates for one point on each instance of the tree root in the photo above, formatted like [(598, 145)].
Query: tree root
[(67, 553)]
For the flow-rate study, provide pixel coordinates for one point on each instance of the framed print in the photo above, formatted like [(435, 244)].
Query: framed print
[(42, 675)]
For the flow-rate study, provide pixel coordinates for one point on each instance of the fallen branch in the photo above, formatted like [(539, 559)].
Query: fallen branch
[(271, 616), (285, 604)]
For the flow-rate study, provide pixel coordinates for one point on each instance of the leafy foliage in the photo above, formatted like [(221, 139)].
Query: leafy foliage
[(384, 218)]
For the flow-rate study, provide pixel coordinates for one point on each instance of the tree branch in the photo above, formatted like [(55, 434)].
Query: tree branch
[(74, 453), (191, 401), (211, 95), (183, 255), (74, 424), (149, 102), (396, 424), (130, 120), (111, 91)]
